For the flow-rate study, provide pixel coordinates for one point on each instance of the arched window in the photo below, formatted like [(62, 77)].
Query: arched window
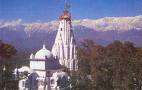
[(23, 83)]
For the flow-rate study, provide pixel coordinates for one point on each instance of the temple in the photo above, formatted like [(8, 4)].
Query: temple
[(47, 68), (64, 47)]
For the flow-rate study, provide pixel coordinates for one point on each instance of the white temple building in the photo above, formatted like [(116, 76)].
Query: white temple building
[(46, 67), (44, 72), (64, 47)]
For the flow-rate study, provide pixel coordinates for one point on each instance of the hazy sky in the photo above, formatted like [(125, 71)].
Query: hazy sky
[(47, 10)]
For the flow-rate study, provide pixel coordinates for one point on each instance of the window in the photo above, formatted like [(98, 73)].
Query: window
[(23, 83), (52, 81), (41, 82)]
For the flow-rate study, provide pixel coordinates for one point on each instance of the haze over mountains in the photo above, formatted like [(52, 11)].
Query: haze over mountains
[(30, 36)]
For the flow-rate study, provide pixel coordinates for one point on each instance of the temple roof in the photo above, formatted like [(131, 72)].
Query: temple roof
[(65, 16), (53, 65), (43, 53)]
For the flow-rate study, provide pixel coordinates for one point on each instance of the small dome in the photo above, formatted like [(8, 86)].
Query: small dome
[(24, 68), (43, 53)]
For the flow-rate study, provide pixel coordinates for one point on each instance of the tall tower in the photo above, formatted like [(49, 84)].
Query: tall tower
[(64, 47)]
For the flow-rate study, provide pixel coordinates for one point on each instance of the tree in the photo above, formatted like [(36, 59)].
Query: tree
[(87, 52), (117, 66), (6, 52)]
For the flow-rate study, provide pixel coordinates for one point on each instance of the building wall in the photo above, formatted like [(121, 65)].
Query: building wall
[(37, 65)]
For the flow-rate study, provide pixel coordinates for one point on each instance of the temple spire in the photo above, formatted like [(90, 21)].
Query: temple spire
[(66, 6), (44, 46), (66, 15), (64, 47)]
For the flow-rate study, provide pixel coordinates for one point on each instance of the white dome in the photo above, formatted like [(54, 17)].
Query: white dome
[(24, 68), (43, 53)]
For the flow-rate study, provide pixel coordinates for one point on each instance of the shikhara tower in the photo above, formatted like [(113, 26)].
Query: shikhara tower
[(64, 47)]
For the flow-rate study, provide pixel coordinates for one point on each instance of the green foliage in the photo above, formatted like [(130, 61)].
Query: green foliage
[(117, 66), (10, 58), (7, 81), (6, 50)]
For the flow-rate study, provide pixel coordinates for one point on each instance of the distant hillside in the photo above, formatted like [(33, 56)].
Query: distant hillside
[(30, 36)]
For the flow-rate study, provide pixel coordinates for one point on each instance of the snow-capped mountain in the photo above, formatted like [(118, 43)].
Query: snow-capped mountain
[(30, 36), (113, 23)]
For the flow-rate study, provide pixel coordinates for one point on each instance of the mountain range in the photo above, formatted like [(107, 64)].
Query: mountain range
[(28, 37)]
